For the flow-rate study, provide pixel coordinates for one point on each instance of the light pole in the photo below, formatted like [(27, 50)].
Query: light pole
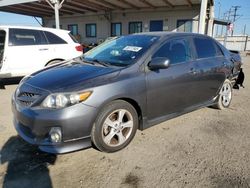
[(217, 30)]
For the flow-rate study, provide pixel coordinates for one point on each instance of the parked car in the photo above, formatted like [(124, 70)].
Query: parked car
[(132, 82), (24, 50)]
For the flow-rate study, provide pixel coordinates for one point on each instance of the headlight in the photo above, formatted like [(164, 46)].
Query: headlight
[(61, 100)]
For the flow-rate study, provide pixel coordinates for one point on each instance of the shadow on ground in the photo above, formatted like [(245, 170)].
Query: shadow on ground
[(26, 165), (9, 81)]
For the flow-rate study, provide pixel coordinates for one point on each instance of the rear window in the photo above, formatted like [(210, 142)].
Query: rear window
[(73, 38), (54, 39), (205, 48), (218, 50), (24, 37)]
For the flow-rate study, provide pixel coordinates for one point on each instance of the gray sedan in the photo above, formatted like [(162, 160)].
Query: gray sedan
[(129, 83)]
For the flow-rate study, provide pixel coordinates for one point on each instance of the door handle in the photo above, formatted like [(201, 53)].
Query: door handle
[(43, 49), (192, 71)]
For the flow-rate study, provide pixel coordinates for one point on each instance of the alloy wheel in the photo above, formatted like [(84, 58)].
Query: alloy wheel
[(117, 127), (226, 94)]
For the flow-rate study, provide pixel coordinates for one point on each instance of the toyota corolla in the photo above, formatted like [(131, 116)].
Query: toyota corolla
[(129, 83)]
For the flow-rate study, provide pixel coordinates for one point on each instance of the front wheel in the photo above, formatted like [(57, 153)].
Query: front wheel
[(115, 126), (225, 95)]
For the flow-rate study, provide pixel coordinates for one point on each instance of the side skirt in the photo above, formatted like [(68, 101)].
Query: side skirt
[(150, 123)]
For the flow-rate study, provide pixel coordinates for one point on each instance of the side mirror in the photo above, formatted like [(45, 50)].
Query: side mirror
[(159, 63)]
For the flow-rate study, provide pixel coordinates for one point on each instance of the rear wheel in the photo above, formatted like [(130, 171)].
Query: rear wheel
[(225, 95), (115, 126)]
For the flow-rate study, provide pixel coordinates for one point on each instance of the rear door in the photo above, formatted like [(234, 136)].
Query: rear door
[(170, 90), (58, 47), (27, 51), (210, 68)]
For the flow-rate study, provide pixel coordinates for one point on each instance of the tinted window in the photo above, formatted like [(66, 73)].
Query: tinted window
[(23, 37), (90, 30), (218, 50), (176, 51), (204, 47), (54, 39), (73, 38), (2, 41), (2, 38)]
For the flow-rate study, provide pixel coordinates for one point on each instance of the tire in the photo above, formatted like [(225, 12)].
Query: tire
[(53, 62), (225, 95), (115, 126)]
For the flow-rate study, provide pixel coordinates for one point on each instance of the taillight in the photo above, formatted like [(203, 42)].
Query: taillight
[(79, 48)]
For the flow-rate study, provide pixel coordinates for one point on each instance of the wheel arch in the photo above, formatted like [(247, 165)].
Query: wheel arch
[(132, 102), (137, 108), (56, 59)]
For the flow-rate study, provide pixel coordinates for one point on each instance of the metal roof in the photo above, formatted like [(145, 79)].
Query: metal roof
[(41, 8), (221, 21)]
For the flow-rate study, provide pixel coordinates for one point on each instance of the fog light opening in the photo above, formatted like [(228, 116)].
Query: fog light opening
[(55, 135)]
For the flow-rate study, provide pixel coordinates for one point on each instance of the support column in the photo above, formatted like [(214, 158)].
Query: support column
[(57, 7), (202, 19)]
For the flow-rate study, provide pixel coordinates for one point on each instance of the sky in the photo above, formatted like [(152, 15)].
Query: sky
[(221, 6), (17, 19)]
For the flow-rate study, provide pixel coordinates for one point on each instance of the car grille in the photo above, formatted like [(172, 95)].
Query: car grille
[(27, 99), (25, 103), (26, 95)]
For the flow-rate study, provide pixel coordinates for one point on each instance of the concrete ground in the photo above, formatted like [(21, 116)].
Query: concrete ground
[(205, 148)]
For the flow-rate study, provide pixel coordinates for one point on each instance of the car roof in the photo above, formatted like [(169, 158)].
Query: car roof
[(32, 27), (168, 34)]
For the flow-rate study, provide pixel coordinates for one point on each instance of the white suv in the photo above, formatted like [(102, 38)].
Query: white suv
[(24, 50)]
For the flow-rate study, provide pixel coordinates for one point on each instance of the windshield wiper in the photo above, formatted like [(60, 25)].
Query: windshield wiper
[(94, 61), (100, 62)]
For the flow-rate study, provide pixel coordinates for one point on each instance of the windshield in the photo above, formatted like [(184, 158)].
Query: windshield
[(122, 51)]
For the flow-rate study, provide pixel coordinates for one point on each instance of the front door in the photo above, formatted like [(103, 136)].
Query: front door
[(168, 90), (156, 25)]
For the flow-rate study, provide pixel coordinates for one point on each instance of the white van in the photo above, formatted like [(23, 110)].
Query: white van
[(24, 50)]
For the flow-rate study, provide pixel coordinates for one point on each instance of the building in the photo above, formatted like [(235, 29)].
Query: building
[(95, 20)]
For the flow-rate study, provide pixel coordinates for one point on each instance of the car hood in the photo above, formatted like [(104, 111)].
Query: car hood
[(71, 76)]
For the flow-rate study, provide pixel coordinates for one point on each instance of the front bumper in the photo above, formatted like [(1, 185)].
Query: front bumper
[(34, 124)]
